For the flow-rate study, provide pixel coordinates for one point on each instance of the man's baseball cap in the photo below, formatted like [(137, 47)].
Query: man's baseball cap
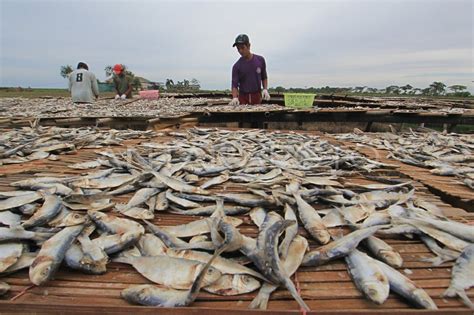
[(241, 39), (118, 68)]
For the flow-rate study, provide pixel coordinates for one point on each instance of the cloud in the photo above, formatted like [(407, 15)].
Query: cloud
[(305, 43)]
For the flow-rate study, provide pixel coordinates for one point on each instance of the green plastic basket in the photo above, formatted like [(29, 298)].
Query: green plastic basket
[(299, 100)]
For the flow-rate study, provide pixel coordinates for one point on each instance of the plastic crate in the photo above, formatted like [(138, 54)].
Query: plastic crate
[(299, 100), (149, 94)]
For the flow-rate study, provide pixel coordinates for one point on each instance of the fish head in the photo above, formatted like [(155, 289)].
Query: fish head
[(377, 291), (323, 236), (245, 283), (392, 258), (74, 218), (136, 294), (212, 275), (41, 269), (424, 299)]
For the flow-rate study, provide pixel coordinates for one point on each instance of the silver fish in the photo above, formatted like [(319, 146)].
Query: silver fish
[(368, 276), (52, 253), (462, 276)]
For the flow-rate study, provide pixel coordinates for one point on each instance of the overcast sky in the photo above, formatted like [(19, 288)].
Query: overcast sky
[(311, 43)]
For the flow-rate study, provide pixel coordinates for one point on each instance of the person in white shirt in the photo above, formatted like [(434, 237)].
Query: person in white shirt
[(83, 85)]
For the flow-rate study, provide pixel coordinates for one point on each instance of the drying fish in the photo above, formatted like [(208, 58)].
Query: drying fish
[(339, 248), (274, 270), (51, 207), (9, 254), (24, 261), (18, 233), (113, 224), (406, 288), (176, 273), (442, 254), (368, 276), (9, 218), (462, 276), (197, 227), (290, 262), (14, 202), (4, 288), (52, 253), (311, 220), (151, 245), (233, 285)]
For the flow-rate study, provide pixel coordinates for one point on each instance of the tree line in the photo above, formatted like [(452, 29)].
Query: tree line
[(434, 89)]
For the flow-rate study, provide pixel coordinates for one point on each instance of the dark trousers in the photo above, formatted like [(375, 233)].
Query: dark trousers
[(250, 98)]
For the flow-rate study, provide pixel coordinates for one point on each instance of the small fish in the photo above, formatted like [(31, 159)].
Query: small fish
[(52, 253), (406, 288), (462, 276), (368, 276), (233, 285), (338, 248)]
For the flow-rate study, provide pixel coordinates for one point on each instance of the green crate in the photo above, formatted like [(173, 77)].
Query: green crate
[(299, 100)]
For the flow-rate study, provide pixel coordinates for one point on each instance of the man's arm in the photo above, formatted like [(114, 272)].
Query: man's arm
[(265, 84), (235, 92), (129, 90), (95, 86)]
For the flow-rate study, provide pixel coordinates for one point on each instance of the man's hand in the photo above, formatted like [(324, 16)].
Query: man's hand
[(123, 96), (117, 97), (265, 95), (234, 102)]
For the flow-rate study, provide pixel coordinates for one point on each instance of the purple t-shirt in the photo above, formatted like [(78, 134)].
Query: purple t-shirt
[(247, 75)]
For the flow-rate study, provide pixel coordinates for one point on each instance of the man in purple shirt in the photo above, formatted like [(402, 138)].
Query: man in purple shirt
[(249, 74)]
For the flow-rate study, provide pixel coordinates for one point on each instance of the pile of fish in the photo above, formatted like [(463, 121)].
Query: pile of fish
[(216, 177), (162, 107), (35, 143), (445, 154)]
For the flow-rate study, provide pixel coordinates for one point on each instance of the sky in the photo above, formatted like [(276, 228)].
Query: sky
[(342, 43)]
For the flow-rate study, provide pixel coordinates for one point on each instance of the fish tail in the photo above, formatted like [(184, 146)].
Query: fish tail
[(466, 300), (291, 287), (260, 301)]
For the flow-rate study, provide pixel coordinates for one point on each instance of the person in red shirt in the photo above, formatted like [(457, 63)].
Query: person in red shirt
[(249, 75)]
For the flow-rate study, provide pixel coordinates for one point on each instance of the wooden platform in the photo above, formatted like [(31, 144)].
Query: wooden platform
[(327, 289)]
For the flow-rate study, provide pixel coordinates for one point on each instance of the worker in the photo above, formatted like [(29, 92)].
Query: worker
[(249, 74), (83, 85), (122, 83)]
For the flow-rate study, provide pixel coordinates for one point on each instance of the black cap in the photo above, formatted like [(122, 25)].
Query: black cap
[(241, 39), (82, 65)]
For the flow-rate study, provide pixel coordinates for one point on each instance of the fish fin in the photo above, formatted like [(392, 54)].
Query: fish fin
[(339, 234), (452, 292), (291, 287), (197, 284), (342, 213), (261, 300)]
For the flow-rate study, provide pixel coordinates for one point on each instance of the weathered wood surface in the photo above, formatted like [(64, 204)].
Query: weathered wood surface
[(326, 289)]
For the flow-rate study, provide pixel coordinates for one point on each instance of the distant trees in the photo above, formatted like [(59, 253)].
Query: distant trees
[(392, 89), (406, 88), (437, 88), (192, 85), (434, 89), (459, 90), (65, 71)]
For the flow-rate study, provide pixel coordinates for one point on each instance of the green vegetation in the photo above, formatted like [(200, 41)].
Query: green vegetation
[(435, 89), (184, 86)]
